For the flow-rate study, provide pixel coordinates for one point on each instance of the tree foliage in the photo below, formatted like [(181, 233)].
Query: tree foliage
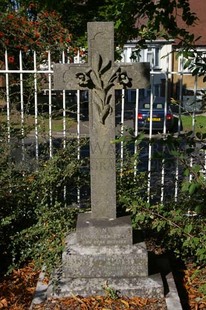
[(19, 33), (149, 20), (132, 18)]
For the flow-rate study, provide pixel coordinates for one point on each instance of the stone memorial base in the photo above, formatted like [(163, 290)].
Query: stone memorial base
[(101, 254)]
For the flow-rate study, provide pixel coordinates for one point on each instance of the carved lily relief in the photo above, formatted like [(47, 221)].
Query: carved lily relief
[(101, 79)]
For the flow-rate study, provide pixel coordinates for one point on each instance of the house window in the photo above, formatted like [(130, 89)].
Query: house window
[(150, 56), (183, 62), (153, 56)]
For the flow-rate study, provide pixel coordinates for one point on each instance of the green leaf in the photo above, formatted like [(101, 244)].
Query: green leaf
[(187, 172), (196, 168), (192, 188), (188, 228), (185, 186)]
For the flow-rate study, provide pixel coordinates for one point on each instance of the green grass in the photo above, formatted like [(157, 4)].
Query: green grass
[(57, 122), (43, 122), (200, 123)]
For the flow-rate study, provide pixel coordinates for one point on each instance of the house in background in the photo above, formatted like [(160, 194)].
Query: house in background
[(160, 65), (186, 87), (170, 77)]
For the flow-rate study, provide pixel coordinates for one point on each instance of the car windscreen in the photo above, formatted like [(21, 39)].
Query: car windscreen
[(156, 106)]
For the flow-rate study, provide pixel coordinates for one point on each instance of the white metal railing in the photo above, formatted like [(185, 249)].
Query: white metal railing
[(40, 71)]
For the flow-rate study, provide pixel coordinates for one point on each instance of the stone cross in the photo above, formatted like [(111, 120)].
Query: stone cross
[(101, 76)]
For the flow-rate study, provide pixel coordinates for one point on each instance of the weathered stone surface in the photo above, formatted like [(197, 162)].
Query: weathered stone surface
[(99, 232), (104, 261), (101, 76), (65, 75), (141, 286)]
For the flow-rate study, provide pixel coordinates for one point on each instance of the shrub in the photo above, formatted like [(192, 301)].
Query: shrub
[(37, 208), (179, 224)]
